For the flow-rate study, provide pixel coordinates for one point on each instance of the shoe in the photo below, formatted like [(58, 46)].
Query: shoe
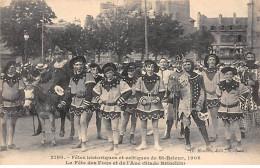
[(158, 147), (188, 147), (209, 148), (150, 133), (37, 133), (228, 145), (84, 147), (166, 136), (62, 133), (212, 139), (131, 140), (100, 137), (181, 136), (120, 141), (243, 135), (78, 145), (239, 147), (111, 147), (116, 150), (12, 146), (3, 148), (141, 147)]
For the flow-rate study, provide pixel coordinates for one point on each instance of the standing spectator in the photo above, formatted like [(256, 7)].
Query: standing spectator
[(230, 92), (111, 93), (212, 76), (131, 103), (150, 91), (193, 103), (11, 107), (250, 77)]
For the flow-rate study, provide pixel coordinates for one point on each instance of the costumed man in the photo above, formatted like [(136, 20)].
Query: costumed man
[(111, 93), (165, 73), (212, 77), (80, 92), (95, 70), (12, 94), (250, 76), (174, 96), (150, 91), (130, 78), (61, 73), (230, 93), (193, 103)]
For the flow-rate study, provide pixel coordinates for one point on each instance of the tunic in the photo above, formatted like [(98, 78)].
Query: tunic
[(251, 73), (230, 94), (149, 88), (192, 94), (12, 95), (131, 102), (112, 94), (80, 87), (212, 77)]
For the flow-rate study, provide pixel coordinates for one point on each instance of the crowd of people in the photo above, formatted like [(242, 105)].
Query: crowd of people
[(154, 92)]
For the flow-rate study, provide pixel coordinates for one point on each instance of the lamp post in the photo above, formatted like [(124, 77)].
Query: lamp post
[(146, 32), (26, 37)]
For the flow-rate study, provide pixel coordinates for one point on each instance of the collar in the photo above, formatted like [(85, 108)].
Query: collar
[(59, 64), (223, 85), (150, 79), (77, 77), (211, 70), (130, 81), (12, 79), (109, 85)]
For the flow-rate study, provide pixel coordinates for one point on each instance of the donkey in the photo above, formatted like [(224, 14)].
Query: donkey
[(45, 105)]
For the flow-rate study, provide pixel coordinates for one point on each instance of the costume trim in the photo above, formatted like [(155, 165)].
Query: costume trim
[(150, 115), (111, 115)]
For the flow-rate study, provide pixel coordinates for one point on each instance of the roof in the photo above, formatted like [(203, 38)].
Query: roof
[(226, 21)]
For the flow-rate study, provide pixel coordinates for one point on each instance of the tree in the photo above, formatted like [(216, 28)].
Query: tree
[(24, 15), (201, 41), (111, 33)]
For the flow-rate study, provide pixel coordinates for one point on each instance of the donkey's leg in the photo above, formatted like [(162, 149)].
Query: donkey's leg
[(62, 118), (72, 126), (43, 130), (52, 120)]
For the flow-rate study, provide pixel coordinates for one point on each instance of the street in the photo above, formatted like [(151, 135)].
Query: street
[(32, 152)]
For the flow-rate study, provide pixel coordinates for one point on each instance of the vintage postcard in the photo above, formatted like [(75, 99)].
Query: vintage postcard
[(130, 82)]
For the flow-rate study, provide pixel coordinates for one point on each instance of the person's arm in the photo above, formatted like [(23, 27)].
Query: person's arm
[(97, 91), (125, 91), (202, 93), (90, 84), (243, 92)]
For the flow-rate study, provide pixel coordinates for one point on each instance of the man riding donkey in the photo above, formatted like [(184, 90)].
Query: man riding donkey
[(59, 74)]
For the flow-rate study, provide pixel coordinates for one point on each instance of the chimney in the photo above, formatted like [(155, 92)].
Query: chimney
[(234, 19), (220, 19)]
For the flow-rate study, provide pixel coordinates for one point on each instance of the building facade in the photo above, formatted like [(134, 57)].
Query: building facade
[(230, 34), (253, 29)]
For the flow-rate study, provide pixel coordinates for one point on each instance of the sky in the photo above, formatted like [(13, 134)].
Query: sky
[(69, 9)]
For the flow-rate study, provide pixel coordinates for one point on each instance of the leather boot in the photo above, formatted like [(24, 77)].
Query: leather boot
[(111, 147), (116, 150), (78, 145), (120, 141), (168, 130), (132, 141), (228, 145), (84, 147), (239, 147)]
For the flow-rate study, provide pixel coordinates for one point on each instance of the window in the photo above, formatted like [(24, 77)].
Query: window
[(213, 28), (222, 27), (239, 27), (230, 27), (239, 38)]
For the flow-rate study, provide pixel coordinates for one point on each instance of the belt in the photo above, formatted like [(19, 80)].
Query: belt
[(229, 106), (149, 94), (110, 104), (12, 101)]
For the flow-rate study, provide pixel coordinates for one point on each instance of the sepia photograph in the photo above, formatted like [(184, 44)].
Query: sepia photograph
[(129, 82)]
